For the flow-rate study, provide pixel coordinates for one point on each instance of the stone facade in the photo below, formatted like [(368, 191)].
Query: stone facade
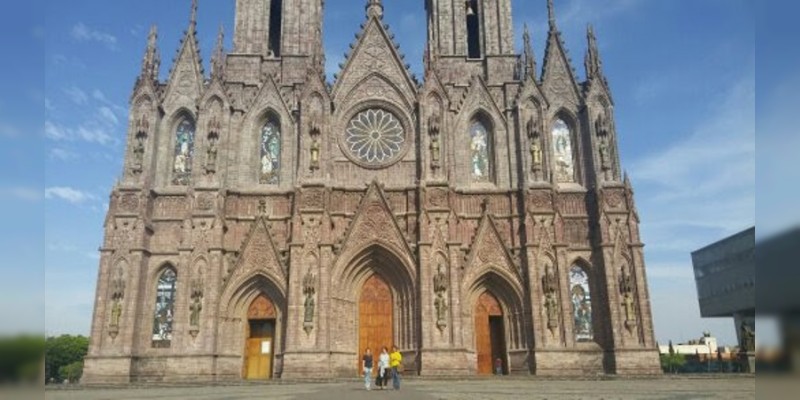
[(262, 179)]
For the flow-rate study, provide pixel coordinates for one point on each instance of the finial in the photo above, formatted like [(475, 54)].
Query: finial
[(530, 58), (551, 15), (151, 61), (375, 9), (218, 57), (592, 63)]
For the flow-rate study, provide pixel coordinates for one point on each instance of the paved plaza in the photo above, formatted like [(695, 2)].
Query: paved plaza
[(477, 389)]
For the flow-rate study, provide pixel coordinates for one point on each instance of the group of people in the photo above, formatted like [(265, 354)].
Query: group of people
[(388, 364)]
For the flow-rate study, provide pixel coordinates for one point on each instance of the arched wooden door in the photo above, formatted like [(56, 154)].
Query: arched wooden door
[(375, 318), (260, 343), (489, 334)]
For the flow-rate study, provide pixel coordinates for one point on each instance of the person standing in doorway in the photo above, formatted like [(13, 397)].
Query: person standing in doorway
[(383, 368), (395, 360), (498, 366), (367, 365)]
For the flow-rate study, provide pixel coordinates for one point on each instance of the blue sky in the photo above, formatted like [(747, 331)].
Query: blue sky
[(682, 73)]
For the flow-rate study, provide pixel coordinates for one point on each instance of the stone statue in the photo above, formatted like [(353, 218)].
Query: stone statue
[(605, 162), (309, 289), (116, 313), (440, 285), (434, 128), (628, 301), (315, 153), (195, 308), (309, 309), (211, 154), (550, 288), (536, 154), (138, 153)]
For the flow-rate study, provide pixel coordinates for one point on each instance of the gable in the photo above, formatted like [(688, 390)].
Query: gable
[(374, 53), (185, 84), (488, 250), (259, 254)]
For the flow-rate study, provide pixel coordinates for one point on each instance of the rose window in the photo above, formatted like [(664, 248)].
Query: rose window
[(375, 137)]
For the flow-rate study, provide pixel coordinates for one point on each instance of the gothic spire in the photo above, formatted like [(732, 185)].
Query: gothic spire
[(592, 61), (551, 15), (375, 9), (151, 60), (218, 57), (193, 18), (530, 57)]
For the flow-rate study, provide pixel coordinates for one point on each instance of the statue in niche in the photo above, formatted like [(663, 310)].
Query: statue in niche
[(138, 152), (440, 284), (550, 288), (626, 289), (434, 128), (196, 306), (211, 153), (309, 289), (116, 313), (315, 144), (535, 146)]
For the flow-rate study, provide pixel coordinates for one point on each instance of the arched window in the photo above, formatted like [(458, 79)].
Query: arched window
[(473, 29), (581, 304), (184, 152), (562, 152), (165, 308), (270, 152), (480, 143)]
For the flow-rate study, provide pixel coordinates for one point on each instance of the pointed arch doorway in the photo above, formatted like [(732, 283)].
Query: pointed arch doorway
[(260, 342), (489, 334), (375, 318)]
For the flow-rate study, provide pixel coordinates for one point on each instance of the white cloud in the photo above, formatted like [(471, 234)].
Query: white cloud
[(62, 154), (83, 33), (55, 132), (68, 194), (77, 95), (108, 115)]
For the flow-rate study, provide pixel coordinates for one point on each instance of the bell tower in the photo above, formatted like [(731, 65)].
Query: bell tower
[(476, 35), (278, 28)]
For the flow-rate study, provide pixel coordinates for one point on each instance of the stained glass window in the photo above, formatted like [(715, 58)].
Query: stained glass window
[(184, 152), (375, 137), (479, 151), (165, 308), (562, 151), (270, 153), (581, 304)]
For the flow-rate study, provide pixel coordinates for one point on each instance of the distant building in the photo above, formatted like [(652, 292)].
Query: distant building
[(725, 275), (705, 345)]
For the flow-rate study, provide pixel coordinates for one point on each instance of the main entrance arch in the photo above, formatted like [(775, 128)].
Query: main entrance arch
[(375, 317), (260, 347)]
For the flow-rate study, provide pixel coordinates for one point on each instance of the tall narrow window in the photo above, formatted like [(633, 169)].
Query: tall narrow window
[(184, 152), (581, 304), (165, 308), (480, 142), (562, 152), (473, 29), (270, 153), (275, 26)]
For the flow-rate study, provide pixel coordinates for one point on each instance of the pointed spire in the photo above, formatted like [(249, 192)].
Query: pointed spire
[(193, 17), (218, 57), (375, 9), (151, 61), (551, 15), (592, 61), (530, 57)]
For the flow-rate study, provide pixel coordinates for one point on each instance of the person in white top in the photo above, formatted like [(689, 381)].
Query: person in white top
[(383, 368)]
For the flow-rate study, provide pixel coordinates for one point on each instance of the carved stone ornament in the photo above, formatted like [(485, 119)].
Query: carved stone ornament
[(211, 153), (314, 133), (196, 307), (117, 295), (434, 128), (129, 202), (138, 153)]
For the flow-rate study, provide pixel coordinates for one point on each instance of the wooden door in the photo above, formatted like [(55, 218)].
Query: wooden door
[(260, 342), (486, 310), (375, 319)]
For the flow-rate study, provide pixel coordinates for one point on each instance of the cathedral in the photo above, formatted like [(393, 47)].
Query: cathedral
[(272, 224)]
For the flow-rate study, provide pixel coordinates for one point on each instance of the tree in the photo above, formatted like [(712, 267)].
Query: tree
[(72, 372), (672, 362), (21, 359), (61, 352)]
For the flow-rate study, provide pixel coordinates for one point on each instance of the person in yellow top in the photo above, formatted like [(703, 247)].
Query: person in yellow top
[(395, 360)]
